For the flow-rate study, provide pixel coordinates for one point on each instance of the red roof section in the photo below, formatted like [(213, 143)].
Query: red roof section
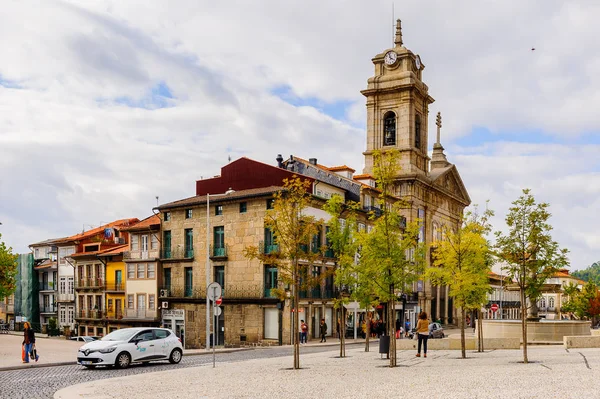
[(98, 230), (145, 224), (340, 168), (363, 176), (103, 252)]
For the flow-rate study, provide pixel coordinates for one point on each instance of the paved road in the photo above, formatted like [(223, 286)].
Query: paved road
[(43, 382)]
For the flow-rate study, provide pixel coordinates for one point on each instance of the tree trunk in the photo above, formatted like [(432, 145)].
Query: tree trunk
[(462, 333), (480, 331), (296, 319), (342, 328), (524, 324), (368, 333), (392, 331)]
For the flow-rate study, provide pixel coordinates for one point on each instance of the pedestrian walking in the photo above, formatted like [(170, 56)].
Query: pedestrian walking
[(323, 330), (29, 343), (304, 331), (406, 328), (423, 333)]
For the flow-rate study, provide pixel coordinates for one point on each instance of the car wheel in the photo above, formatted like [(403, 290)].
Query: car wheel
[(175, 356), (123, 360)]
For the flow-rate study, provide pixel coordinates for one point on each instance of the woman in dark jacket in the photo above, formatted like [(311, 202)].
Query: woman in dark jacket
[(28, 341)]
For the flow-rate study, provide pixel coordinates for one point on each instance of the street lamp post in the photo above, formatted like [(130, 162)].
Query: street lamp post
[(207, 267)]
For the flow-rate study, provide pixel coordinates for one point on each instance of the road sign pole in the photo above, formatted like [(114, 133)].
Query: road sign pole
[(214, 327)]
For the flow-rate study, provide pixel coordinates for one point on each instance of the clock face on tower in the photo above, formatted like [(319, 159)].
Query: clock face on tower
[(390, 58), (418, 62)]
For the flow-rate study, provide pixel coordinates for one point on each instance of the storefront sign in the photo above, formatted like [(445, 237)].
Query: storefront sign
[(173, 313)]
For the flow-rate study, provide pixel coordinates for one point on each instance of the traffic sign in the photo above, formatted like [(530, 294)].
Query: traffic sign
[(219, 301), (214, 291), (217, 311), (494, 307)]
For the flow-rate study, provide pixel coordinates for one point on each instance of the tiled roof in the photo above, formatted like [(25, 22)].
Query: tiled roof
[(47, 264), (237, 195), (145, 224), (103, 252), (363, 176), (97, 230), (47, 242), (341, 167)]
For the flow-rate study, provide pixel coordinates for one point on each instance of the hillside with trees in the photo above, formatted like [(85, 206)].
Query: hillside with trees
[(591, 273)]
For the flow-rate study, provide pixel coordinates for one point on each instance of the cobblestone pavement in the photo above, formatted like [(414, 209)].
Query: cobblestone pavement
[(43, 382)]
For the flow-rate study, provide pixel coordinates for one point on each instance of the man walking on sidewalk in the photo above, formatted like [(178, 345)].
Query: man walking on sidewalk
[(323, 330)]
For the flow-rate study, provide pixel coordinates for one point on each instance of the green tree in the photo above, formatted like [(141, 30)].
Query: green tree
[(8, 270), (462, 261), (391, 257), (342, 240), (591, 273), (293, 232), (581, 303), (531, 254)]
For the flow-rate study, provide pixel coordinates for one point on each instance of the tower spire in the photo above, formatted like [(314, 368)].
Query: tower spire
[(438, 158), (398, 40)]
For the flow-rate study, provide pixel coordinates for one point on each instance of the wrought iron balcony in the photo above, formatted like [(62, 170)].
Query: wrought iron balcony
[(115, 287), (90, 283), (177, 253), (377, 211), (47, 286), (116, 314), (218, 251), (48, 309), (90, 314), (142, 255), (269, 249), (230, 291)]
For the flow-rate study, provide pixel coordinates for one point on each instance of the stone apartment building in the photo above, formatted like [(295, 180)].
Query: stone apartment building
[(250, 311)]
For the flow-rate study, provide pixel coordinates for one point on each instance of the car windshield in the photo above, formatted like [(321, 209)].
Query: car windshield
[(120, 335)]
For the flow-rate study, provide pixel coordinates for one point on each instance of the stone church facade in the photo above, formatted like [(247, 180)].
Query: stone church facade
[(398, 102)]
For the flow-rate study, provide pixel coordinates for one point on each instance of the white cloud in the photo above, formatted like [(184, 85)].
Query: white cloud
[(71, 154)]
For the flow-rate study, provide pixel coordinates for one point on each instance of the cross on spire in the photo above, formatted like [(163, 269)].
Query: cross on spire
[(438, 122), (398, 40)]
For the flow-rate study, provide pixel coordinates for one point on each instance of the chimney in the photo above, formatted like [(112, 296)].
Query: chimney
[(312, 161), (279, 160)]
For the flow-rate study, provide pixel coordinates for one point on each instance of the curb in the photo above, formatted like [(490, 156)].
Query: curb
[(38, 365)]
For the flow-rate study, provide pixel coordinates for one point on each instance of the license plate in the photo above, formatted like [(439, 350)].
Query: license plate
[(86, 362)]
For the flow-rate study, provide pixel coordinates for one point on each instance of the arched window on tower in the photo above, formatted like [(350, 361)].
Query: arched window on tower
[(418, 131), (389, 128)]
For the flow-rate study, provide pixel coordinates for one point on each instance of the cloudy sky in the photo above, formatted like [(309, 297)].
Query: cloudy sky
[(105, 105)]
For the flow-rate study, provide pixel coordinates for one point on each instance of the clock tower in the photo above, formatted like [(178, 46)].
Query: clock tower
[(397, 108), (397, 114)]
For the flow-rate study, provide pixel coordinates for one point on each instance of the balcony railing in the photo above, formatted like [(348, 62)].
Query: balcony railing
[(90, 314), (218, 252), (115, 314), (377, 211), (65, 297), (329, 253), (47, 286), (177, 253), (140, 313), (231, 291), (269, 249), (97, 282), (142, 255), (48, 309), (270, 293), (115, 287)]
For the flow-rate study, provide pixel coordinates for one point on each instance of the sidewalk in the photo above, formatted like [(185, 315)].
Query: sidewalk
[(553, 373)]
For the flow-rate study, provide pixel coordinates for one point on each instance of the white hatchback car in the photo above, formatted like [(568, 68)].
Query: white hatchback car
[(131, 345)]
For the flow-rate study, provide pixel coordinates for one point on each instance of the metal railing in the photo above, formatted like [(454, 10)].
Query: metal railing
[(47, 286), (90, 314), (377, 211), (233, 291), (94, 282), (177, 253), (115, 314), (48, 309), (218, 252), (115, 287), (140, 313), (142, 255), (269, 249)]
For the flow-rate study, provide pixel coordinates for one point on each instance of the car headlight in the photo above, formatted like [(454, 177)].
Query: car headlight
[(108, 350)]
